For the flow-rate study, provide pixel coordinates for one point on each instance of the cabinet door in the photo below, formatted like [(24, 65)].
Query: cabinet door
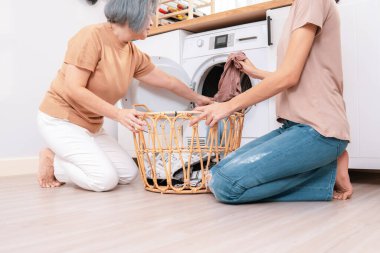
[(361, 65), (277, 21), (368, 69), (349, 58)]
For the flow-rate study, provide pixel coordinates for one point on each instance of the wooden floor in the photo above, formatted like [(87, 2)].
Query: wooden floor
[(130, 219)]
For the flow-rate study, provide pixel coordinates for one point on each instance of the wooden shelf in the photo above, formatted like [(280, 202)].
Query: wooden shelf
[(233, 17), (189, 10)]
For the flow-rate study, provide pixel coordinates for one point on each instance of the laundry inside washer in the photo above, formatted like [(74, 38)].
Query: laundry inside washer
[(212, 77)]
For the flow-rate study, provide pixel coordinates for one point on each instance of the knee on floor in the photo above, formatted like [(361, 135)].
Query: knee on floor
[(105, 183), (225, 190), (126, 179)]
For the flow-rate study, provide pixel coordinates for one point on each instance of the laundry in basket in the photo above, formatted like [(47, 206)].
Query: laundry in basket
[(178, 162)]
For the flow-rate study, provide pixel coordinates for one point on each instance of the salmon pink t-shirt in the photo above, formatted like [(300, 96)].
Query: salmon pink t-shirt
[(113, 65), (317, 100)]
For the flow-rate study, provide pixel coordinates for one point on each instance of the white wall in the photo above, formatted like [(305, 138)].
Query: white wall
[(33, 38)]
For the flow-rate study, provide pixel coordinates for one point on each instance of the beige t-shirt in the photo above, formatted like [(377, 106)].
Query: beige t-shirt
[(318, 98), (112, 63)]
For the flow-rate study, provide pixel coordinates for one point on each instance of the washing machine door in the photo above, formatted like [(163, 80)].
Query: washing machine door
[(204, 69), (206, 77), (158, 99)]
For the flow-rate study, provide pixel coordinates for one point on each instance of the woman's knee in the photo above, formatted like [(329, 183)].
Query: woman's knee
[(106, 182), (225, 190), (129, 176)]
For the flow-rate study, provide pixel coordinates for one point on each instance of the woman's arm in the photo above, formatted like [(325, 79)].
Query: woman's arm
[(75, 83), (251, 70), (160, 79), (286, 76)]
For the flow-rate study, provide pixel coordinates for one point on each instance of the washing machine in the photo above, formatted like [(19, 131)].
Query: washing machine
[(204, 57)]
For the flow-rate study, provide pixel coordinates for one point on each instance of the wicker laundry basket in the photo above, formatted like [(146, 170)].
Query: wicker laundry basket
[(174, 157)]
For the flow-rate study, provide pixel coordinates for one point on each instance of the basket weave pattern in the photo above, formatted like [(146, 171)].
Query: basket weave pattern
[(174, 157)]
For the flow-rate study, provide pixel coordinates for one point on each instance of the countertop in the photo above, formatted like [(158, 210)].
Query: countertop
[(252, 13)]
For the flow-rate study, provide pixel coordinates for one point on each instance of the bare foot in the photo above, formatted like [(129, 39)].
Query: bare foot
[(45, 175), (343, 187)]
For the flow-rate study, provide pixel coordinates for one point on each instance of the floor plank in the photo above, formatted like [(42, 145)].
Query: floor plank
[(130, 219)]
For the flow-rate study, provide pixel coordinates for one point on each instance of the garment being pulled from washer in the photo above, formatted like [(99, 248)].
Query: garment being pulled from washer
[(229, 84)]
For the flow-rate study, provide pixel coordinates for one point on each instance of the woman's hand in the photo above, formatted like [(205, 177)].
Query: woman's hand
[(213, 113), (248, 67), (251, 70), (203, 100), (129, 119)]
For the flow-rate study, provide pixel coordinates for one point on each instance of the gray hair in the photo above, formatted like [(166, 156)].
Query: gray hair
[(135, 13)]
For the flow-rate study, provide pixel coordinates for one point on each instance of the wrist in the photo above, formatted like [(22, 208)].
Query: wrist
[(116, 114), (254, 72), (198, 98), (233, 105)]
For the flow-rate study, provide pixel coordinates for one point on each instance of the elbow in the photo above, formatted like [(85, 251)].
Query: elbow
[(171, 83), (73, 92), (290, 80), (70, 91)]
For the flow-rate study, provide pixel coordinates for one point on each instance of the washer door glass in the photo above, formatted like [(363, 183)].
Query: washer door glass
[(158, 99)]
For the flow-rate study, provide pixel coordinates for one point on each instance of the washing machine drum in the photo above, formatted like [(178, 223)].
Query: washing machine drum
[(158, 99)]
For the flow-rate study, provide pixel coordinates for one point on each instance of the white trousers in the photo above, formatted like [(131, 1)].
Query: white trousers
[(92, 161)]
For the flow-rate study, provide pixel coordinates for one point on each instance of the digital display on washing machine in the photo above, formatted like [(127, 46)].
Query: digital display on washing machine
[(221, 41)]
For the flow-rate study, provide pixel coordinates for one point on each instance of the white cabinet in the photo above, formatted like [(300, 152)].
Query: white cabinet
[(360, 22)]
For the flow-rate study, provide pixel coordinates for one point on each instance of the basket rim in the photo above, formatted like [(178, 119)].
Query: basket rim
[(182, 112)]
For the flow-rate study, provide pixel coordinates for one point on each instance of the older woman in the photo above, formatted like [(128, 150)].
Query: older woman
[(297, 162), (99, 65)]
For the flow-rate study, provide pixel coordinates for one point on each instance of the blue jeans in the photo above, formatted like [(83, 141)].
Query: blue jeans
[(292, 163)]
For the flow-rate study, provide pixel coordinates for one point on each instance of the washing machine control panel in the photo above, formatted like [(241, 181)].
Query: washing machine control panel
[(222, 41), (226, 40)]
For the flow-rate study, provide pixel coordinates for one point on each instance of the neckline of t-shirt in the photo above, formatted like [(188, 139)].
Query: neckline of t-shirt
[(121, 45)]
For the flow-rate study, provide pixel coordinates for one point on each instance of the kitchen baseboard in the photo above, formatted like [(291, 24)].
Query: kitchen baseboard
[(19, 166)]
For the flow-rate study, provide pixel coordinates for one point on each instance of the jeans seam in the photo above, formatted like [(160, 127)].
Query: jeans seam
[(332, 181), (337, 149), (234, 183)]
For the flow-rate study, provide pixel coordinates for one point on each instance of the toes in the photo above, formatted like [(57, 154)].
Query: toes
[(342, 195), (346, 195), (44, 185), (57, 183), (49, 183), (41, 182), (337, 195)]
